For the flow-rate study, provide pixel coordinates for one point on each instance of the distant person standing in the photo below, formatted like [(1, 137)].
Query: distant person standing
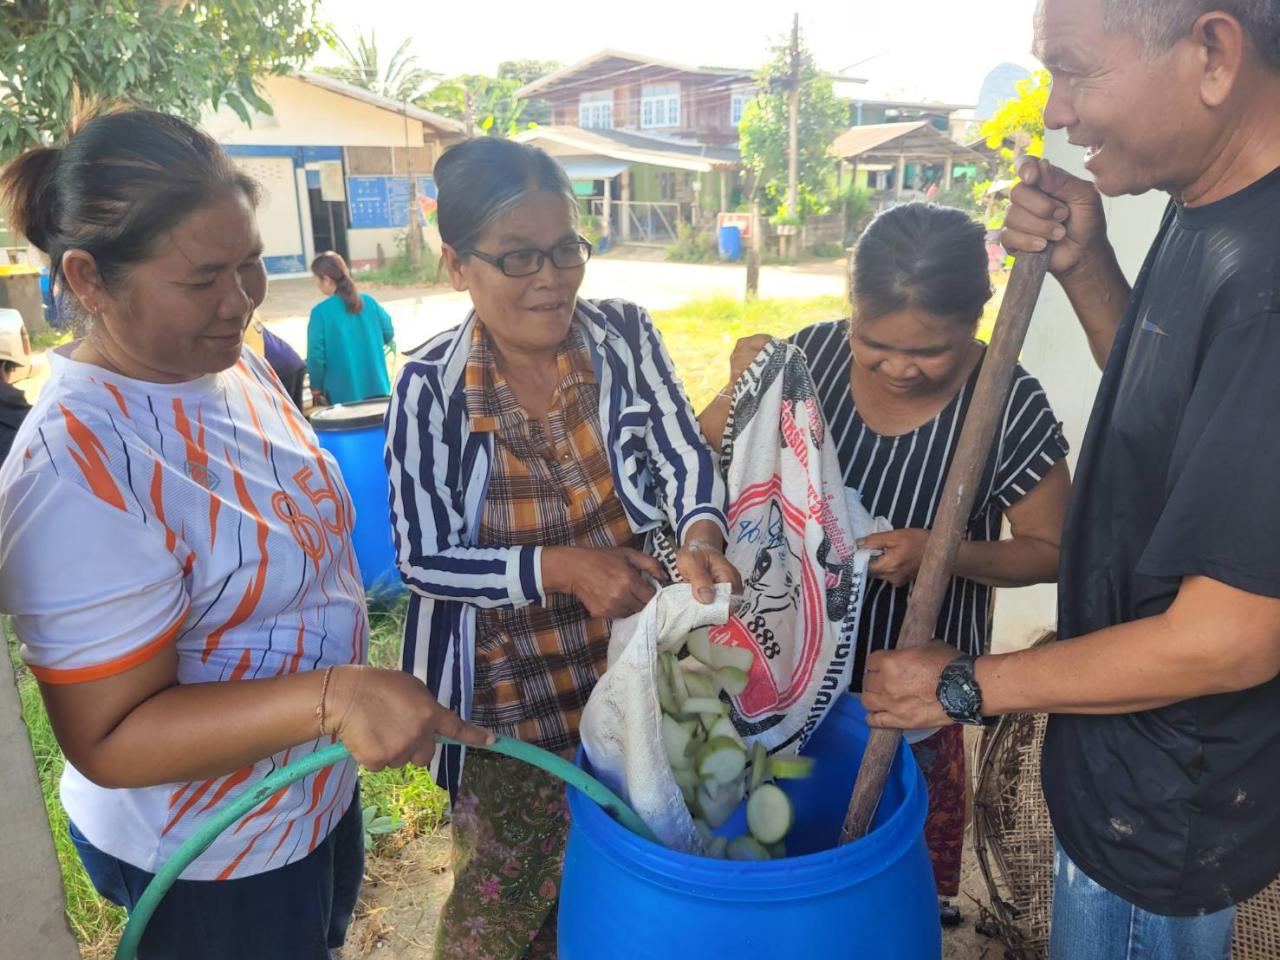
[(345, 338)]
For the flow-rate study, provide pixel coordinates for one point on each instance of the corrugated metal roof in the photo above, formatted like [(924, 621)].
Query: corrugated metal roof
[(920, 139), (334, 85), (635, 148)]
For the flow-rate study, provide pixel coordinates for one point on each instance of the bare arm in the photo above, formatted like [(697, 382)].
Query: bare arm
[(712, 420), (1030, 554), (1213, 639), (141, 727), (1050, 205)]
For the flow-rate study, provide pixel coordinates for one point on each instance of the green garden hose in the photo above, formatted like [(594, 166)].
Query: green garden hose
[(200, 841)]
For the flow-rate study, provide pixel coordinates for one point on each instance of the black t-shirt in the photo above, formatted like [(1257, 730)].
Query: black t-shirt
[(1178, 809)]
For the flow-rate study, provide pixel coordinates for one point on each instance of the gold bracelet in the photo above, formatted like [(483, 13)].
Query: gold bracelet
[(324, 693)]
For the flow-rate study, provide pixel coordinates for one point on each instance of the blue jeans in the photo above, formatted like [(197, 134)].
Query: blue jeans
[(295, 912), (1092, 923)]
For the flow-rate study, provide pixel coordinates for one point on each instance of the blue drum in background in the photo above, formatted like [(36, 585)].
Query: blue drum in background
[(355, 434)]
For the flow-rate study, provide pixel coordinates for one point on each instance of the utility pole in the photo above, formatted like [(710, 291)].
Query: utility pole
[(794, 157), (468, 113), (413, 236)]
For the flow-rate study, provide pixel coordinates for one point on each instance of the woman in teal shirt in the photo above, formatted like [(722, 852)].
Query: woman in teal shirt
[(346, 337)]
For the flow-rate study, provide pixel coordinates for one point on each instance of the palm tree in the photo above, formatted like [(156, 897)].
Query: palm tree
[(403, 78)]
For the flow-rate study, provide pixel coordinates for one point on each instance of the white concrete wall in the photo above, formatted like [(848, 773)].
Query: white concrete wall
[(1058, 355), (307, 115)]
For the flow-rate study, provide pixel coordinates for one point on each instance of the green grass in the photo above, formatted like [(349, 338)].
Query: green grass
[(49, 338), (398, 272), (95, 922), (700, 335)]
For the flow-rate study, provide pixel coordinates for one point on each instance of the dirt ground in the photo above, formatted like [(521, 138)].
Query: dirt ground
[(402, 897)]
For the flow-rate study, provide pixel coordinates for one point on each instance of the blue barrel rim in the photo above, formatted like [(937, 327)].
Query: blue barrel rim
[(343, 417), (791, 877)]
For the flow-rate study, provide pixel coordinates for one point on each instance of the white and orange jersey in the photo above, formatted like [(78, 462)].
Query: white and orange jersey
[(137, 515)]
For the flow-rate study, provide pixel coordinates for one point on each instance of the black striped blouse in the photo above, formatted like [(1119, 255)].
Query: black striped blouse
[(900, 478)]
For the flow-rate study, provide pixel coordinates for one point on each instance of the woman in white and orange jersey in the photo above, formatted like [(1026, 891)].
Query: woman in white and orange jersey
[(175, 551)]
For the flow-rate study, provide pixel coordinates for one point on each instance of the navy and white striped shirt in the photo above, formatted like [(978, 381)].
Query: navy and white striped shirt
[(663, 472), (901, 478)]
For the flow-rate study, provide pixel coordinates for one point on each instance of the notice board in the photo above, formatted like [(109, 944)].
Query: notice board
[(381, 202)]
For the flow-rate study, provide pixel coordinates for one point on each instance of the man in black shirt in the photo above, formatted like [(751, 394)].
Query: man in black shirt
[(1162, 758)]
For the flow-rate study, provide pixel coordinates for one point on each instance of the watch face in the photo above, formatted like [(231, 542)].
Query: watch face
[(957, 695)]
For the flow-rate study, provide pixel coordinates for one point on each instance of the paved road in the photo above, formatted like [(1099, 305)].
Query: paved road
[(659, 286)]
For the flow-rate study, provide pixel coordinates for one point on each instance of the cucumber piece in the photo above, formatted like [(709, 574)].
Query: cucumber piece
[(732, 680), (698, 643), (688, 781), (709, 720), (702, 705), (699, 685), (704, 832), (790, 768), (759, 765), (746, 848), (665, 700), (718, 809), (723, 727), (778, 851), (675, 738), (678, 689), (769, 813), (719, 847), (721, 760), (725, 655)]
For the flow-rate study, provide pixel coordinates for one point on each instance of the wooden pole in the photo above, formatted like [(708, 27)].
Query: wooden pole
[(930, 588)]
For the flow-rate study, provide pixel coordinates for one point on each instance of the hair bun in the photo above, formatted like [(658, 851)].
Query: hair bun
[(29, 192)]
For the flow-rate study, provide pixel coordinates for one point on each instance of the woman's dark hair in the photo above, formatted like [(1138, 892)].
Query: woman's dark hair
[(479, 180), (924, 256), (330, 264), (121, 181)]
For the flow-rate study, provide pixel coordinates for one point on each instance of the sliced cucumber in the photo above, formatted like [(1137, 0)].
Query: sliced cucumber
[(688, 781), (698, 643), (769, 813), (759, 765), (777, 850), (725, 655), (790, 768), (721, 760), (675, 739), (663, 683), (746, 848), (718, 809), (702, 705), (719, 847), (732, 680), (700, 685), (709, 720), (678, 689), (723, 727)]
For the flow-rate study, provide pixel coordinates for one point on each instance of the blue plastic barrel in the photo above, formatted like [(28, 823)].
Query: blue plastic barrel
[(730, 243), (355, 433), (625, 898)]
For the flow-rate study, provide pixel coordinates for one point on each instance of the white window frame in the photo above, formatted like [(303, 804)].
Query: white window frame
[(595, 110), (660, 106), (738, 100)]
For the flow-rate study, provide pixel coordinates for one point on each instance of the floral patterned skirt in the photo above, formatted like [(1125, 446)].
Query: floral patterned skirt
[(510, 825), (941, 760)]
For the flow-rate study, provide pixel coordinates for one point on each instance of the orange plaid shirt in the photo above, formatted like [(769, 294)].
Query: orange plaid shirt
[(551, 485)]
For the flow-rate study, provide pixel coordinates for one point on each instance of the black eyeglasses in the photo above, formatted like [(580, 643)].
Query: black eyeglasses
[(525, 263)]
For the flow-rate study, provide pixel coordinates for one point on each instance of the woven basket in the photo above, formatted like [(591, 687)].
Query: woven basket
[(1013, 842)]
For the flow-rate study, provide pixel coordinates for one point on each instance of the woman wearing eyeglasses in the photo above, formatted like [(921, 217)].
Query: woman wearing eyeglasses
[(533, 450)]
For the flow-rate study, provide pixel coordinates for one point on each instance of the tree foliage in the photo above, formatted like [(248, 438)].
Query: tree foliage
[(403, 77), (1017, 127), (765, 136), (494, 108), (176, 55)]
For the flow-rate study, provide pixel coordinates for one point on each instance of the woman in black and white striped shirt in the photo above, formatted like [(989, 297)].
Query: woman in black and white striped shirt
[(895, 383)]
